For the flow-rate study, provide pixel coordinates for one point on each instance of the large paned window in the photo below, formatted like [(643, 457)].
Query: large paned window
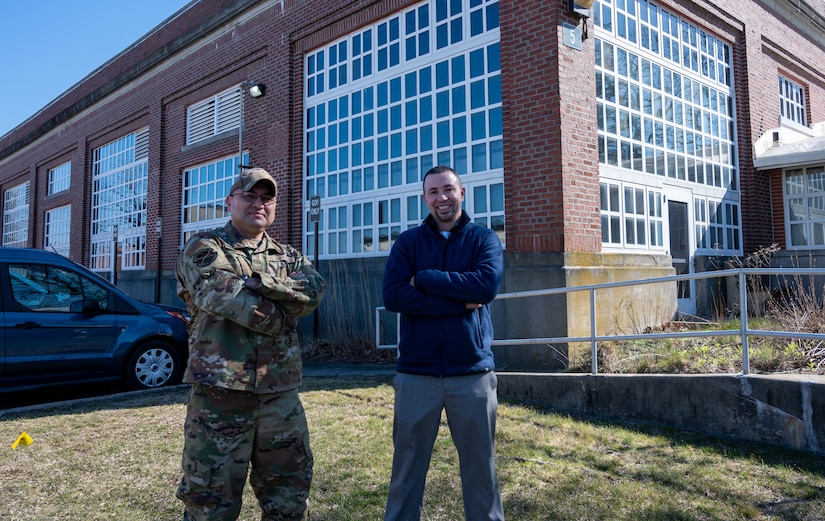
[(58, 230), (205, 188), (664, 111), (119, 184), (792, 101), (716, 224), (804, 194), (631, 215), (59, 178), (389, 102), (215, 115), (16, 215)]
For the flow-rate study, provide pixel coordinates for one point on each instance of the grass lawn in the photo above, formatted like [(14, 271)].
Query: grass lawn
[(118, 457)]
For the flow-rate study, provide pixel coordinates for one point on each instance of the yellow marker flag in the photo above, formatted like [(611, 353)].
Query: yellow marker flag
[(24, 439)]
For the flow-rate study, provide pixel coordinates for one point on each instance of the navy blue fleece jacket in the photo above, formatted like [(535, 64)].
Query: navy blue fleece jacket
[(439, 336)]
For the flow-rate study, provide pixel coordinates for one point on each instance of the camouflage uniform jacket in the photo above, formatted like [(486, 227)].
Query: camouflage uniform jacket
[(243, 338)]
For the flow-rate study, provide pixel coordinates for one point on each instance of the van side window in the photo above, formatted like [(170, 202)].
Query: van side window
[(45, 288), (96, 292)]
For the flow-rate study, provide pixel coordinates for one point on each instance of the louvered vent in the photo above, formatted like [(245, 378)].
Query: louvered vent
[(141, 144), (213, 116)]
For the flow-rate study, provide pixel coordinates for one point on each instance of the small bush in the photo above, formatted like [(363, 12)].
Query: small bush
[(349, 350)]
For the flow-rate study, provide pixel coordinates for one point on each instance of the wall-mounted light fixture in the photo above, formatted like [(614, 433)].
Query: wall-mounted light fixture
[(582, 8), (257, 90)]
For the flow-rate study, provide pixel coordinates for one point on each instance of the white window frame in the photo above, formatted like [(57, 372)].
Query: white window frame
[(804, 207), (717, 225), (205, 188), (120, 171), (792, 101), (16, 215), (58, 229), (665, 113), (622, 215), (354, 171), (59, 178)]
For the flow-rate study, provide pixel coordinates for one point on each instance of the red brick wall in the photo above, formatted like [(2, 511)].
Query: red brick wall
[(551, 166), (777, 209), (550, 154)]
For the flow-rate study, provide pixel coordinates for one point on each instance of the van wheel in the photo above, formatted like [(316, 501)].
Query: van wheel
[(152, 365)]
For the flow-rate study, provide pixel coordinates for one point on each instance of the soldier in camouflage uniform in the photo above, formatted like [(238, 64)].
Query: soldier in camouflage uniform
[(245, 293)]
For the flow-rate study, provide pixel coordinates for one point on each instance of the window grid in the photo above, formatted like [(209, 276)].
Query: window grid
[(362, 227), (664, 115), (389, 223), (655, 219), (657, 32), (205, 188), (338, 65), (483, 16), (658, 121), (58, 230), (792, 101), (388, 49), (362, 56), (804, 194), (488, 205), (424, 105), (449, 28), (717, 225), (59, 178), (119, 186), (16, 215), (631, 216), (417, 32), (212, 116)]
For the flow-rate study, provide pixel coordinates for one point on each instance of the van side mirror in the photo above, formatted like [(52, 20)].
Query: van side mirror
[(87, 305)]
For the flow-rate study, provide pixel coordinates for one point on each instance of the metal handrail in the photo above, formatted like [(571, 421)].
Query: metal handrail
[(744, 331)]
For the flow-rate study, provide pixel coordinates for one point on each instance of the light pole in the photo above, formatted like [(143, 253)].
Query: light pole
[(256, 90), (114, 263), (158, 230)]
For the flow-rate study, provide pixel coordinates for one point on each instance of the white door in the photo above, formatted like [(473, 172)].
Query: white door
[(681, 244)]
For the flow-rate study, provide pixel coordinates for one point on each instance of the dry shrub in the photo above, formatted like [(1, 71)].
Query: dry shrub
[(798, 307), (347, 320), (350, 350)]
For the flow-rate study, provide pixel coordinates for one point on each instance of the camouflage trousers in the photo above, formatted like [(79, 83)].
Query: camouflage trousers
[(225, 432)]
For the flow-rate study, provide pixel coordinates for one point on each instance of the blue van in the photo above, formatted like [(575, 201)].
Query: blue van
[(63, 324)]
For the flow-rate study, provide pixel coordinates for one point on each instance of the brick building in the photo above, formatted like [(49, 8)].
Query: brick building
[(639, 140)]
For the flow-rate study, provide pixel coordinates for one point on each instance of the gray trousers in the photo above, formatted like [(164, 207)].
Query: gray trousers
[(471, 405)]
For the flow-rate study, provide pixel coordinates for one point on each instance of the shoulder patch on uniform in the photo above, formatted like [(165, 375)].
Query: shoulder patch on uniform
[(204, 257)]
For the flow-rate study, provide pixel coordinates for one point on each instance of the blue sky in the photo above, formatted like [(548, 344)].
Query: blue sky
[(48, 46)]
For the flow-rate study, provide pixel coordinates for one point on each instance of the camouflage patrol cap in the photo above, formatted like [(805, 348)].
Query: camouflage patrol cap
[(251, 177)]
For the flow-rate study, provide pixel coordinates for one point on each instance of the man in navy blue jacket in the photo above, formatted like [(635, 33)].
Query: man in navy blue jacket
[(441, 278)]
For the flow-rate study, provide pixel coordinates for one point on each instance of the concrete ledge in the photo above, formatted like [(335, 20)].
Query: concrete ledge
[(787, 410)]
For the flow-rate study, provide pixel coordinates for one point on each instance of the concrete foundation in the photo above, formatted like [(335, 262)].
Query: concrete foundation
[(621, 310), (787, 410)]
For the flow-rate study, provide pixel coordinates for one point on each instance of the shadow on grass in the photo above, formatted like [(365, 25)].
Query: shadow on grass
[(95, 397), (730, 448)]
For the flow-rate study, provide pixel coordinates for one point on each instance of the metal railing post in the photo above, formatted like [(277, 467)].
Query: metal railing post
[(743, 321), (378, 325), (594, 363)]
